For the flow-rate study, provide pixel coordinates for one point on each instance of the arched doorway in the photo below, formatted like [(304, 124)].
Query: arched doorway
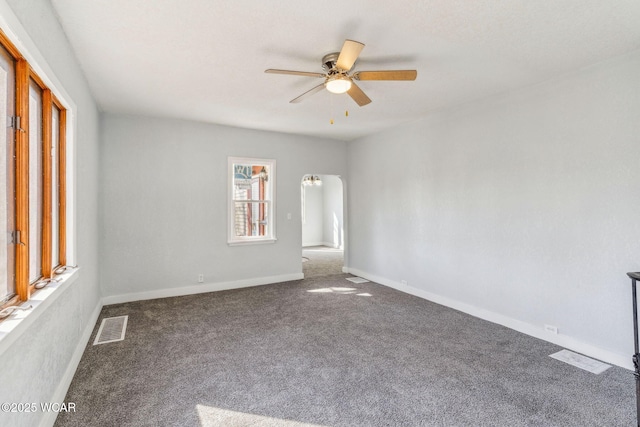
[(322, 225)]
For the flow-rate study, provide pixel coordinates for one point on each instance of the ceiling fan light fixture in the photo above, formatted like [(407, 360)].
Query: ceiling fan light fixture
[(337, 66), (338, 84), (311, 180)]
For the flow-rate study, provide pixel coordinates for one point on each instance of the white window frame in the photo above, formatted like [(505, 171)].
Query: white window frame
[(232, 239)]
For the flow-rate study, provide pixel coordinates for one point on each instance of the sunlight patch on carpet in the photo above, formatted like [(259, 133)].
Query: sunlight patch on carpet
[(211, 416), (357, 280), (336, 290), (580, 361)]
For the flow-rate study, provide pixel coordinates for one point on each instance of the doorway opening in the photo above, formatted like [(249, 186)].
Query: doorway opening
[(322, 225)]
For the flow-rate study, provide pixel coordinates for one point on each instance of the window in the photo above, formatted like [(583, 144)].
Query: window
[(36, 147), (33, 180), (251, 200), (7, 172)]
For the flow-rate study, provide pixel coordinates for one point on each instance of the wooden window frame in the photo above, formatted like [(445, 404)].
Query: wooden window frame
[(24, 73)]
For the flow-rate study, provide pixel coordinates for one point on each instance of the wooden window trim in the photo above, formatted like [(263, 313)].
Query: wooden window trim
[(22, 180), (15, 53), (36, 79), (47, 110), (11, 48), (62, 183), (23, 74), (62, 188)]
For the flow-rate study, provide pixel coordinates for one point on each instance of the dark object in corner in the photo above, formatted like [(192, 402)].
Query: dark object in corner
[(636, 357)]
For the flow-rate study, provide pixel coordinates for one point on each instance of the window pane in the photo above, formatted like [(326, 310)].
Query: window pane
[(251, 219), (55, 186), (251, 205), (7, 175), (249, 182), (35, 181)]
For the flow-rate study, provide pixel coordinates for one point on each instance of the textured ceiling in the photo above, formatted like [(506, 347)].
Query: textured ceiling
[(204, 60)]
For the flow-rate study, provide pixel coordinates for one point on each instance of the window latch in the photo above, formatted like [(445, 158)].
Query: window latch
[(15, 238), (15, 123)]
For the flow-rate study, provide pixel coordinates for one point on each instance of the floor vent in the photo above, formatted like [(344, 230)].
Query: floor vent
[(111, 329), (580, 361)]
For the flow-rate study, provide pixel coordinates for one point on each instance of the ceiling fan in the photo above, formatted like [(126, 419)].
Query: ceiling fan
[(337, 76)]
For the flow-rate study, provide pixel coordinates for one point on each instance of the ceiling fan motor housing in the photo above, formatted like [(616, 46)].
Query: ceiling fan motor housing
[(329, 62)]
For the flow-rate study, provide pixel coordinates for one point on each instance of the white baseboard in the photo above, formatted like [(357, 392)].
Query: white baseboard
[(327, 244), (49, 418), (200, 289), (518, 325), (331, 245), (311, 244)]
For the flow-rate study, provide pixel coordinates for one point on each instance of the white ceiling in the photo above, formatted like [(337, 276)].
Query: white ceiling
[(204, 59)]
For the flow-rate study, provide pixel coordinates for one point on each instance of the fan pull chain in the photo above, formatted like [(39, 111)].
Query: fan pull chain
[(331, 109), (345, 104)]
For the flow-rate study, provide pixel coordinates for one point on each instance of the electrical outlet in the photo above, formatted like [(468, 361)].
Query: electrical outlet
[(403, 282), (200, 278), (551, 328)]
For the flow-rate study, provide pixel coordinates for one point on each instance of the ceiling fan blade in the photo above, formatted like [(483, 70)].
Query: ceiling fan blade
[(358, 95), (294, 73), (348, 54), (386, 75), (308, 93)]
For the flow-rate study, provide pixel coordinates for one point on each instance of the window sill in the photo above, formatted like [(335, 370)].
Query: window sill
[(18, 322), (251, 242)]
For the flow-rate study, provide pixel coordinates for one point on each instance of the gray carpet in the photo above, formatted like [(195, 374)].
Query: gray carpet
[(321, 261), (327, 352)]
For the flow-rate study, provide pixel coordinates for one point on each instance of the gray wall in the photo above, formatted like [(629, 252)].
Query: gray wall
[(35, 366), (164, 203), (522, 208), (324, 223), (312, 226), (332, 208)]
